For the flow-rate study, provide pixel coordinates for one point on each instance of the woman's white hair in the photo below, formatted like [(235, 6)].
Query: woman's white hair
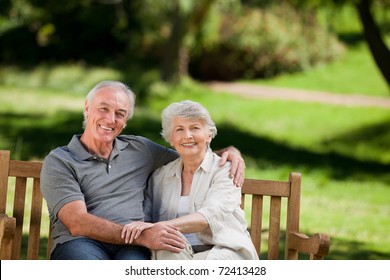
[(189, 110), (113, 84)]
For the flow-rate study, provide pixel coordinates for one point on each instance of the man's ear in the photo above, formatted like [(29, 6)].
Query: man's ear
[(86, 107)]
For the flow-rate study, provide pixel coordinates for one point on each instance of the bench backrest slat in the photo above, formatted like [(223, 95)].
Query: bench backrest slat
[(35, 221), (274, 228), (18, 214), (256, 224)]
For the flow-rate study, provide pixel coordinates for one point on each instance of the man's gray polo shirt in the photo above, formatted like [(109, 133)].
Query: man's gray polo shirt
[(112, 189)]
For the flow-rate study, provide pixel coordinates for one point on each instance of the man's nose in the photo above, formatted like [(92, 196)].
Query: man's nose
[(111, 117)]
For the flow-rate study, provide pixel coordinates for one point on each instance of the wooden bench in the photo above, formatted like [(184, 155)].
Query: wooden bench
[(20, 183)]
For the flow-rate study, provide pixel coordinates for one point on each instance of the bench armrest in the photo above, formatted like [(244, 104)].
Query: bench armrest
[(317, 246), (7, 233)]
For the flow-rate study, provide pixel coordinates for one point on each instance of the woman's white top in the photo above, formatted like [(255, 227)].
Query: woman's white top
[(184, 209)]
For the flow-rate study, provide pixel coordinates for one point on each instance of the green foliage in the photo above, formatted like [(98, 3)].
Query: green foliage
[(74, 30), (228, 38), (263, 43)]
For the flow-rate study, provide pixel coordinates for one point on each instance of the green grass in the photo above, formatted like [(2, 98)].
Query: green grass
[(354, 73)]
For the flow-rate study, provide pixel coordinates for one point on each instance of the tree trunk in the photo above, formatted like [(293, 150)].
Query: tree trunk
[(175, 57), (170, 59), (378, 48)]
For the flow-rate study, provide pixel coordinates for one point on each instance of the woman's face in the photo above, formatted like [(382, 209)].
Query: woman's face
[(189, 137)]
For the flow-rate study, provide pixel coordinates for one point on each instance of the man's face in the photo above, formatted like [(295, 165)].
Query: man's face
[(106, 114)]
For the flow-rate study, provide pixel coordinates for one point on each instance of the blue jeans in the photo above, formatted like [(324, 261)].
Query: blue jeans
[(89, 249)]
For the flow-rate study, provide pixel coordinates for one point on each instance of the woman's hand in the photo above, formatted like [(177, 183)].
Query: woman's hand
[(132, 231)]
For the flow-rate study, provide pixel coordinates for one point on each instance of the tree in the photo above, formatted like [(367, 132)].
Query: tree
[(378, 48), (174, 59), (371, 30)]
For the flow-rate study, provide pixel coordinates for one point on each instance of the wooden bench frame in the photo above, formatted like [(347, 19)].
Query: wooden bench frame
[(11, 228)]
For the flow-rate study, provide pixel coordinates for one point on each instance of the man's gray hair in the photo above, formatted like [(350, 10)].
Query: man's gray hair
[(189, 110), (113, 84)]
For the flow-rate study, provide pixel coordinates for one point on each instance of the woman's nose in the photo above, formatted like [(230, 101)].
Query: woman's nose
[(188, 134)]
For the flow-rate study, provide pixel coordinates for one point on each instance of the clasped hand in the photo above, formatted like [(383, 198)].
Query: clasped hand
[(132, 231), (158, 236)]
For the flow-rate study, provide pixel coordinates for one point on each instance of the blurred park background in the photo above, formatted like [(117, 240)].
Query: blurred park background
[(53, 52)]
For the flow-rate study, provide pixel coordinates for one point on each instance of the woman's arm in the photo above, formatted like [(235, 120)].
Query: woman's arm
[(190, 223)]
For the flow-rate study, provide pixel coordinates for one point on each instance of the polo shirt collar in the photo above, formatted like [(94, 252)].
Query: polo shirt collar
[(78, 151)]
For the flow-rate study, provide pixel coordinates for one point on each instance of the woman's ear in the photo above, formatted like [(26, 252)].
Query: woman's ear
[(170, 142)]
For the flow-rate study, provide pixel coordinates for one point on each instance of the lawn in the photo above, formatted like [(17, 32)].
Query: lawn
[(341, 76)]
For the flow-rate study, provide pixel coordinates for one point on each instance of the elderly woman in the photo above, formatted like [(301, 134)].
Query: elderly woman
[(194, 194)]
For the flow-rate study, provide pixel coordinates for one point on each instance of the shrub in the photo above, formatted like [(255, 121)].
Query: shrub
[(263, 43)]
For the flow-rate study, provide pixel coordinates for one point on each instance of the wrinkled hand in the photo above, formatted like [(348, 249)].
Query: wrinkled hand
[(163, 237), (237, 170), (132, 231)]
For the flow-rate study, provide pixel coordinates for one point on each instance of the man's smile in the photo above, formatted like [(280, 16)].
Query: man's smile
[(106, 128)]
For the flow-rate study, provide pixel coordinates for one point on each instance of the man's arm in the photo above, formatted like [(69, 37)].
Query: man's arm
[(79, 222), (237, 171)]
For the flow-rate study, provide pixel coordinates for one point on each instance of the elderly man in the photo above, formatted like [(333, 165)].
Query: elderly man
[(95, 185)]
